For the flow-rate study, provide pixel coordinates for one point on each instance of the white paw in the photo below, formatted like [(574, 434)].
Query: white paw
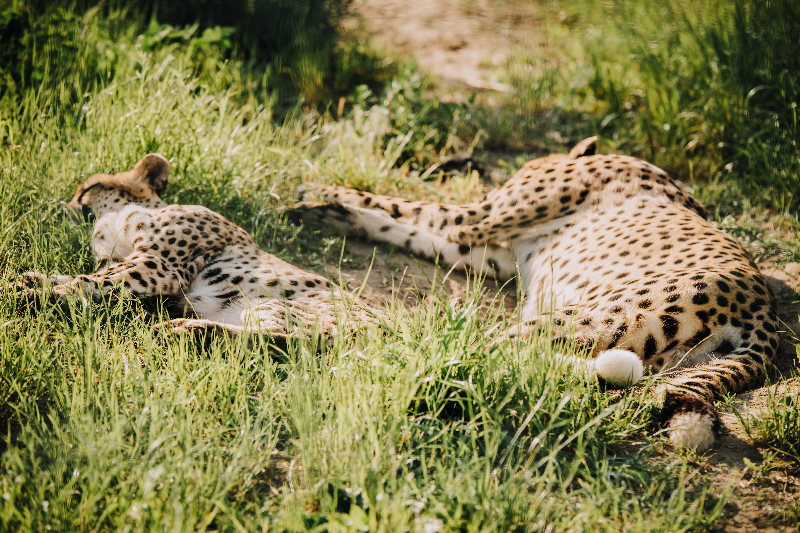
[(620, 368), (692, 430)]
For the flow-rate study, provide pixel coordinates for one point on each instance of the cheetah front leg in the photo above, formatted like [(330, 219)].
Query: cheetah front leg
[(379, 226), (432, 216), (139, 273)]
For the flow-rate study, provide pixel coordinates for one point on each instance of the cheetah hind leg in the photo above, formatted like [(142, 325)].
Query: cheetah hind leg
[(376, 225), (204, 331), (313, 317), (331, 215), (430, 216)]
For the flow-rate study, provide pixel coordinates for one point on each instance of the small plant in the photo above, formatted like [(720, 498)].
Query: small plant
[(778, 427)]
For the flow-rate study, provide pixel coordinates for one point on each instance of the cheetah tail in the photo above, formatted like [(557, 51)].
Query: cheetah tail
[(688, 415), (618, 368), (690, 420)]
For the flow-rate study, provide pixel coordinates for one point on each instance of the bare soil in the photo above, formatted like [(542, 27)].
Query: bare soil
[(462, 44)]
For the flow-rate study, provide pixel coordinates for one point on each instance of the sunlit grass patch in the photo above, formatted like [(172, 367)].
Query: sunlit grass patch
[(419, 421)]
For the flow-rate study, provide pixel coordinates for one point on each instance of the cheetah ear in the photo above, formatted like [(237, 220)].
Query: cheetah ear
[(153, 169), (587, 146)]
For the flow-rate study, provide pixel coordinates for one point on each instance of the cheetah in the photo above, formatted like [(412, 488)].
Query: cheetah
[(204, 264), (611, 248)]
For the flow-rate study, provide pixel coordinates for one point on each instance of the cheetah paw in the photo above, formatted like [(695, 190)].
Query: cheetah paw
[(316, 190), (32, 280), (188, 326), (619, 368), (328, 214), (37, 288)]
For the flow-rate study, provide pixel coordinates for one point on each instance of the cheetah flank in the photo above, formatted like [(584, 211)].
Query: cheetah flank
[(204, 263), (613, 246)]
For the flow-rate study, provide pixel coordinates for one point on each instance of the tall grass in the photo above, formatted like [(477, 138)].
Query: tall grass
[(419, 424), (294, 47), (708, 90)]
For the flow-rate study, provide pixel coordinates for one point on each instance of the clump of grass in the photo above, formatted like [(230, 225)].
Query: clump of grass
[(295, 48), (429, 127), (778, 428)]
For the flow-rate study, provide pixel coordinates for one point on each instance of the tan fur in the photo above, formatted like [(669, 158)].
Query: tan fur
[(609, 247), (207, 266)]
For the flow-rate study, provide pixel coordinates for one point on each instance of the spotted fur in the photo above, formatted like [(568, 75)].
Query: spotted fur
[(208, 267), (607, 246)]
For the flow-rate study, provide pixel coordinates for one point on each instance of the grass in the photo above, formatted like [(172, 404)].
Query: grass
[(420, 424), (778, 428), (699, 88)]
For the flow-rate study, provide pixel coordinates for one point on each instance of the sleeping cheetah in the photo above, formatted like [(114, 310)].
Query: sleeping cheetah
[(204, 263), (607, 246)]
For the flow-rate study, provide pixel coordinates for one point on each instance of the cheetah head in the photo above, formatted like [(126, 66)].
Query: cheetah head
[(586, 147), (107, 192)]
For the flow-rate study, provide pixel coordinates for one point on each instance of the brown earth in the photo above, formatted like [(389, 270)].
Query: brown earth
[(460, 43), (463, 44)]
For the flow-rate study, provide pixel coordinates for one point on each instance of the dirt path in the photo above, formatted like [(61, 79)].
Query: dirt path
[(460, 43), (463, 44)]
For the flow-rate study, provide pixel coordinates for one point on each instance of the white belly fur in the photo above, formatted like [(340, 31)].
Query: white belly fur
[(114, 232)]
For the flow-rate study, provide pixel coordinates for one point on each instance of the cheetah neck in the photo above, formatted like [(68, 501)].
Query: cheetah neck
[(114, 232)]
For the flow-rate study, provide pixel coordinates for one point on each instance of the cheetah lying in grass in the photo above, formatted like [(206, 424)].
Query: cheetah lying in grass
[(205, 263), (608, 246)]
